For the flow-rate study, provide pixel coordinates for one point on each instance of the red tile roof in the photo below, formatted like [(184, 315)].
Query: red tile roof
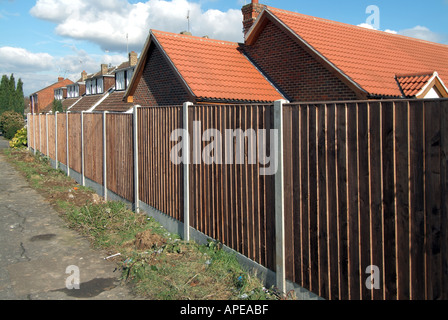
[(411, 85), (370, 58), (215, 69), (114, 103)]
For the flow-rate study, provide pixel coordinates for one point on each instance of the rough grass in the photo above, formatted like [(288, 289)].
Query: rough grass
[(156, 263)]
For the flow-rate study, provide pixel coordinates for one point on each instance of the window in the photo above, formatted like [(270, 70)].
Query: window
[(119, 81), (93, 86), (123, 78), (88, 87), (99, 85), (130, 72)]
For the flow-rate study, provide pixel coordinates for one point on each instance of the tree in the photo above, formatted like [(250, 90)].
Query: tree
[(19, 98), (4, 89), (57, 106), (10, 123), (11, 96)]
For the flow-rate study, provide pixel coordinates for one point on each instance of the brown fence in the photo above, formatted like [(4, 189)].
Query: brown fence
[(364, 184)]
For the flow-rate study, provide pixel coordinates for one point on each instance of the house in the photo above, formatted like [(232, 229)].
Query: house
[(287, 55), (105, 89), (309, 58), (42, 98), (175, 68), (97, 88), (114, 102), (68, 95)]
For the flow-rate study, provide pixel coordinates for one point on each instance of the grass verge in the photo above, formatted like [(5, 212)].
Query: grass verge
[(157, 264)]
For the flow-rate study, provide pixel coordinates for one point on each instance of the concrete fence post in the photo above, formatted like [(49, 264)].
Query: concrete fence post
[(136, 182), (279, 200), (104, 156), (28, 133), (186, 163), (56, 139), (46, 132), (82, 150), (34, 134), (40, 134), (67, 137)]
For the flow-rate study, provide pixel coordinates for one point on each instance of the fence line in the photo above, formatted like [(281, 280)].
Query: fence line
[(364, 184)]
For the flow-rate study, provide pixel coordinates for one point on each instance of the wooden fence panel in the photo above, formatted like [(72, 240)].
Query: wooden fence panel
[(30, 130), (62, 138), (43, 134), (93, 146), (371, 192), (231, 202), (120, 155), (51, 136), (160, 179), (74, 143)]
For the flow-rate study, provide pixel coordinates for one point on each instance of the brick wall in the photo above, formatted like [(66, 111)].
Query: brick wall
[(159, 85), (108, 82), (299, 75)]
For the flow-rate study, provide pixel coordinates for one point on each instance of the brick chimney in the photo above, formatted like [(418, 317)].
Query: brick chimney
[(104, 69), (250, 14), (60, 79), (133, 58), (83, 76)]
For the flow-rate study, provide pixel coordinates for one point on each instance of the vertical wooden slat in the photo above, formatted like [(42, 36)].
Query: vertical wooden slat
[(321, 182), (352, 200), (376, 229), (332, 207), (288, 192), (363, 197), (297, 208), (443, 107), (416, 202), (312, 200), (389, 244), (433, 196), (402, 199), (341, 170)]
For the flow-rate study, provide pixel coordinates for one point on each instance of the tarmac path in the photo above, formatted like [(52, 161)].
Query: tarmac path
[(41, 258)]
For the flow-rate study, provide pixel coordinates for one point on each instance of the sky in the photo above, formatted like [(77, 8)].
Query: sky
[(46, 39)]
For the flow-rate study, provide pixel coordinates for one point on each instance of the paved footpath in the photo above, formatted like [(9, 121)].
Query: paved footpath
[(36, 248)]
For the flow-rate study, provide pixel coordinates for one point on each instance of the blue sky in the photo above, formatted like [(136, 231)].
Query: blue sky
[(41, 40)]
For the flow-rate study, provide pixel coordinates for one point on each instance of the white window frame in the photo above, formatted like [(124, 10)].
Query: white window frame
[(88, 87), (129, 75), (119, 80), (99, 85)]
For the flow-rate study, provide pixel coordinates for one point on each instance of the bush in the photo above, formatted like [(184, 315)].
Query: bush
[(20, 139), (10, 123)]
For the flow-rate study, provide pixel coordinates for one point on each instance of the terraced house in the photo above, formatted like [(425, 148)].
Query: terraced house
[(288, 55)]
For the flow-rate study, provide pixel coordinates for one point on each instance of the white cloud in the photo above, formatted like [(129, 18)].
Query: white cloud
[(106, 22), (38, 70), (421, 32), (366, 25), (21, 59)]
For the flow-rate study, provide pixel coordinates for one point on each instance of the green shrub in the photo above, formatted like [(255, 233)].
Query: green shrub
[(20, 139), (10, 123)]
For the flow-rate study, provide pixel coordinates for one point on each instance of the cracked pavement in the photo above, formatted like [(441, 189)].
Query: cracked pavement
[(36, 248)]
